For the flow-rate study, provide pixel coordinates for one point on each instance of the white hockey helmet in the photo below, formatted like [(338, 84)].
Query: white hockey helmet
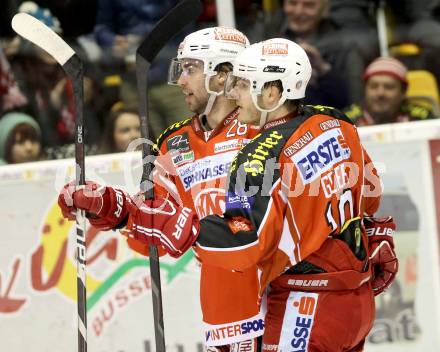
[(272, 60), (212, 46)]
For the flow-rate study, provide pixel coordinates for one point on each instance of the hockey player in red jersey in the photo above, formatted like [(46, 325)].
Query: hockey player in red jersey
[(199, 150), (297, 204)]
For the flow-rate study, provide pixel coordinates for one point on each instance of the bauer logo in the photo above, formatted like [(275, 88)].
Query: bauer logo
[(320, 155), (275, 49), (229, 333), (298, 320)]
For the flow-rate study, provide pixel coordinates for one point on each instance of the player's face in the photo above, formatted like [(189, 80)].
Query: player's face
[(383, 96), (127, 129), (303, 16), (238, 89), (192, 82), (25, 150)]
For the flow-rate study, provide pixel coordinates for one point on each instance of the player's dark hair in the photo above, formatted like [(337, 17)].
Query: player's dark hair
[(225, 67), (291, 104)]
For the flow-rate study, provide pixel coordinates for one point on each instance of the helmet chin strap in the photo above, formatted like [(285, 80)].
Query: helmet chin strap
[(212, 96), (263, 117)]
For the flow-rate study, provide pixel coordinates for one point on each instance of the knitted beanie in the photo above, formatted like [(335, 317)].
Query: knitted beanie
[(387, 66), (8, 122)]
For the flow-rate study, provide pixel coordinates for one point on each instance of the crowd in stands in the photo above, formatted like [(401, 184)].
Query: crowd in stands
[(349, 72)]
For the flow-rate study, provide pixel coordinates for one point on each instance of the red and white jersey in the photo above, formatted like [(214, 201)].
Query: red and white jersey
[(295, 185), (193, 166)]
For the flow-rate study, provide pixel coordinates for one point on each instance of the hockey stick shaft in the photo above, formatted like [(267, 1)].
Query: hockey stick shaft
[(173, 22), (38, 33), (74, 69), (142, 67)]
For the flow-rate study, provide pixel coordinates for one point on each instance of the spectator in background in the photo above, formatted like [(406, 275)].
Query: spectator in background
[(20, 139), (336, 61), (407, 21), (120, 27), (10, 95), (49, 92), (122, 127), (357, 20), (384, 96)]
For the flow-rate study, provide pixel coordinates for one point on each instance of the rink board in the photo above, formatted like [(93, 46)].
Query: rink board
[(37, 267)]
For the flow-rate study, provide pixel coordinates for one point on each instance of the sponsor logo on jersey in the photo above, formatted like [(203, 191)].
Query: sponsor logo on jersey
[(275, 49), (239, 223), (230, 145), (231, 117), (298, 144), (255, 162), (205, 169), (329, 124), (179, 142), (274, 123), (229, 331), (235, 201), (298, 321), (210, 201), (321, 154), (183, 158)]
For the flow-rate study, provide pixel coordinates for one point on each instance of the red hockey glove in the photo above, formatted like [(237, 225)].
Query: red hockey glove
[(383, 259), (161, 222), (106, 207)]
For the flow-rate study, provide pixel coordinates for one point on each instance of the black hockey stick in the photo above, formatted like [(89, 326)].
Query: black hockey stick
[(173, 22), (38, 33)]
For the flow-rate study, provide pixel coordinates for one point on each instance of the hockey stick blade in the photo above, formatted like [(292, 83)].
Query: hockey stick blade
[(38, 33), (174, 21)]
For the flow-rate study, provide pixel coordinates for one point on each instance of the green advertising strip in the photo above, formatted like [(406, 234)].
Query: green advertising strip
[(172, 271)]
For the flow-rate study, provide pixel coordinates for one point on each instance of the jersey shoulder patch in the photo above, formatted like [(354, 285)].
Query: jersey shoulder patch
[(326, 110), (354, 112), (170, 130)]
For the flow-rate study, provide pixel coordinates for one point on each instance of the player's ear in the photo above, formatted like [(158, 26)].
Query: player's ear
[(273, 95), (221, 78)]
